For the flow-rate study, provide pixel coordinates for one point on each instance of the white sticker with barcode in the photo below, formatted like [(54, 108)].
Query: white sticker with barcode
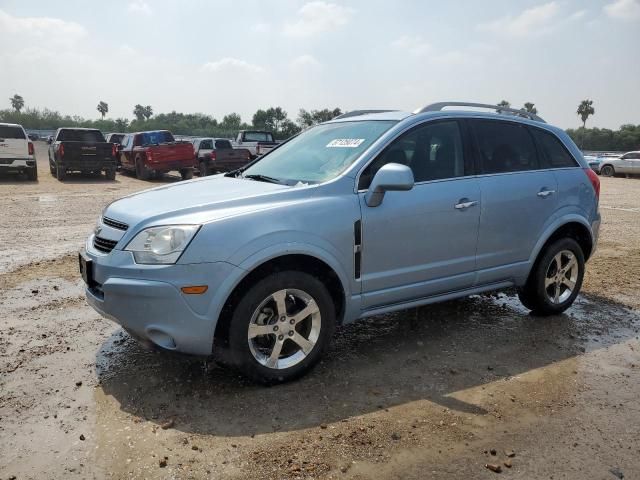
[(345, 143)]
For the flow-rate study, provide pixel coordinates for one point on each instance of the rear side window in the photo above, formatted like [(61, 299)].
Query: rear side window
[(11, 132), (206, 145), (553, 152), (504, 147), (222, 144), (87, 136)]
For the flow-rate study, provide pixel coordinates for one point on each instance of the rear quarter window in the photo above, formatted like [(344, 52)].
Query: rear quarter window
[(222, 144), (553, 152), (11, 132)]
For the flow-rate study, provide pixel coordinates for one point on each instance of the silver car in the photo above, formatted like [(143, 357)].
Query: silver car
[(366, 214), (627, 164)]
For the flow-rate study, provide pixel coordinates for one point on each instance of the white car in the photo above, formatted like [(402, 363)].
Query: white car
[(627, 164), (16, 151)]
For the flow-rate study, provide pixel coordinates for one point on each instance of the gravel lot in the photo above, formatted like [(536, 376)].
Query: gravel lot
[(436, 392)]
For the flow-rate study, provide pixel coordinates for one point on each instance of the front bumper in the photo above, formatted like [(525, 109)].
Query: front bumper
[(147, 301)]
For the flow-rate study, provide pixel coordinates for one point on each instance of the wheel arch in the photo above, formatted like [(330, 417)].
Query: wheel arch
[(305, 262)]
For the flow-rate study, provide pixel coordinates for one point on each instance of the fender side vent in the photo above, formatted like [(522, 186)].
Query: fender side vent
[(357, 248)]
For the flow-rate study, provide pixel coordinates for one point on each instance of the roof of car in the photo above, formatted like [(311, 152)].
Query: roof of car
[(397, 115), (11, 125)]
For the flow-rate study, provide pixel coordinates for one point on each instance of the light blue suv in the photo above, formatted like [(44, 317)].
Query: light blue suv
[(372, 212)]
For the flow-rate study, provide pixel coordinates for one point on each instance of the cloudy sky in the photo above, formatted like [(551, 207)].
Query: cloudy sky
[(223, 56)]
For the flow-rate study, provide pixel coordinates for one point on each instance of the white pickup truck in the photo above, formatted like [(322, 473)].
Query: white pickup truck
[(258, 142), (16, 151)]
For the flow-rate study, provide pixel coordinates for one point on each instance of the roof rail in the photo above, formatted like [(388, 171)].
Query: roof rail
[(356, 113), (436, 107)]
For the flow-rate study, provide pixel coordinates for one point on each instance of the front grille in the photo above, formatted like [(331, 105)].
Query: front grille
[(103, 244), (114, 223)]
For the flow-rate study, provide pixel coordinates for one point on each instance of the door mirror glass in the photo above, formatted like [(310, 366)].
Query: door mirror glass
[(390, 177)]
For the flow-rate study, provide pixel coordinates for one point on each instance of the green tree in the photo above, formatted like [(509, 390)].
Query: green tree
[(103, 108), (530, 107), (503, 103), (288, 129), (121, 124), (313, 117), (139, 112), (17, 102), (231, 122), (585, 110), (148, 112)]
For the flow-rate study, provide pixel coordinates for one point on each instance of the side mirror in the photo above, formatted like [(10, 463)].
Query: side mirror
[(390, 177)]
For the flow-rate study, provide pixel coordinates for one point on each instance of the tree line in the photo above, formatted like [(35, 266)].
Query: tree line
[(277, 120), (274, 119)]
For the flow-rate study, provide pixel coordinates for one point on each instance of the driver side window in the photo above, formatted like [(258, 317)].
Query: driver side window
[(433, 151)]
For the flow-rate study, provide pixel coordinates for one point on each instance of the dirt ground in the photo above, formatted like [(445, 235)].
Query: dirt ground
[(436, 392)]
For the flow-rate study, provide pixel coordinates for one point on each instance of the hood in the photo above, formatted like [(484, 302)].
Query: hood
[(201, 200)]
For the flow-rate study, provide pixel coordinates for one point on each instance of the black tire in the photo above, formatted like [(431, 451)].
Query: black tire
[(32, 174), (608, 171), (141, 171), (110, 173), (203, 168), (61, 172), (52, 168), (536, 296), (238, 352), (186, 173)]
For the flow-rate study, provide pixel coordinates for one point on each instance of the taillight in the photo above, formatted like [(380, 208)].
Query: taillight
[(149, 156), (114, 150), (595, 181), (31, 151), (213, 155), (61, 150)]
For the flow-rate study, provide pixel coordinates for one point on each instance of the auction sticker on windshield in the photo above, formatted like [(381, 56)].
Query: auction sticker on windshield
[(345, 143)]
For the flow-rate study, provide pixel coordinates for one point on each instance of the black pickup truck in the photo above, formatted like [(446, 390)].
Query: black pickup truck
[(81, 150)]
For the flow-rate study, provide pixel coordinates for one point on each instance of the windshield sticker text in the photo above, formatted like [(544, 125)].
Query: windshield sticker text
[(345, 143)]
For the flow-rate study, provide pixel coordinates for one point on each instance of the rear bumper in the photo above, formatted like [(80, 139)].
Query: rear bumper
[(162, 166), (86, 165), (17, 164)]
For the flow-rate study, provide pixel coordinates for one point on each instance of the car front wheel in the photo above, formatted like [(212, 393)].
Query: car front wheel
[(607, 171), (281, 327), (556, 278)]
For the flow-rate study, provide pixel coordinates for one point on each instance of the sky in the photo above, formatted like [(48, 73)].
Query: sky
[(223, 56)]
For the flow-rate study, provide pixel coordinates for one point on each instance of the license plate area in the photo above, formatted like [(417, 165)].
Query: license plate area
[(86, 269)]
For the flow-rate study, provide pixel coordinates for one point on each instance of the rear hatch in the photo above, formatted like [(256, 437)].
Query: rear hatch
[(13, 142), (88, 151)]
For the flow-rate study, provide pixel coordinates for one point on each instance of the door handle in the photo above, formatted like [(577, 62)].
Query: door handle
[(463, 205), (545, 193)]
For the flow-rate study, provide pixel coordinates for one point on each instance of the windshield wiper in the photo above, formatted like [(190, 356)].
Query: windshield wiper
[(263, 178)]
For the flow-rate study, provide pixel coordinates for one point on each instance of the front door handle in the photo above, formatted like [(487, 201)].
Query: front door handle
[(464, 204), (545, 193)]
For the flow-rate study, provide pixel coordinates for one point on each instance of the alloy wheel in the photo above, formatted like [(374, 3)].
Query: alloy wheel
[(561, 277)]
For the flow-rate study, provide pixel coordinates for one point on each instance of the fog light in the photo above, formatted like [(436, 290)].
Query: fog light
[(162, 339)]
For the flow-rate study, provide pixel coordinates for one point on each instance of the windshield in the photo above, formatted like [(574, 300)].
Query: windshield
[(321, 153), (155, 138), (258, 137), (86, 136)]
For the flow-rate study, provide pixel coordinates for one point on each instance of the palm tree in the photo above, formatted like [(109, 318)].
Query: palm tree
[(17, 102), (139, 111), (503, 103), (148, 112), (585, 110), (103, 108), (530, 107)]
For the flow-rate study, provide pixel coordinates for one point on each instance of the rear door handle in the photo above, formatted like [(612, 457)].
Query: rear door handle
[(464, 204), (545, 193)]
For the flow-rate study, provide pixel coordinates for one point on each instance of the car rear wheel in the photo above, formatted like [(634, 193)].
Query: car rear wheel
[(110, 173), (32, 173), (280, 327), (607, 171), (61, 172), (186, 173), (556, 278), (203, 168), (141, 171)]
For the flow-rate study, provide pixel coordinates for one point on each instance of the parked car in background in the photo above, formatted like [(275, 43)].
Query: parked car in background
[(33, 136), (81, 150), (156, 152), (215, 155), (627, 164), (114, 137), (16, 151), (594, 162), (363, 215), (258, 142)]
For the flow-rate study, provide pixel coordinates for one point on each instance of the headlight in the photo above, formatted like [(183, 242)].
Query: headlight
[(161, 245)]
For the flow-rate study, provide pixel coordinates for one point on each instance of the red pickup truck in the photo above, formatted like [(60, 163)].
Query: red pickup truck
[(156, 152)]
